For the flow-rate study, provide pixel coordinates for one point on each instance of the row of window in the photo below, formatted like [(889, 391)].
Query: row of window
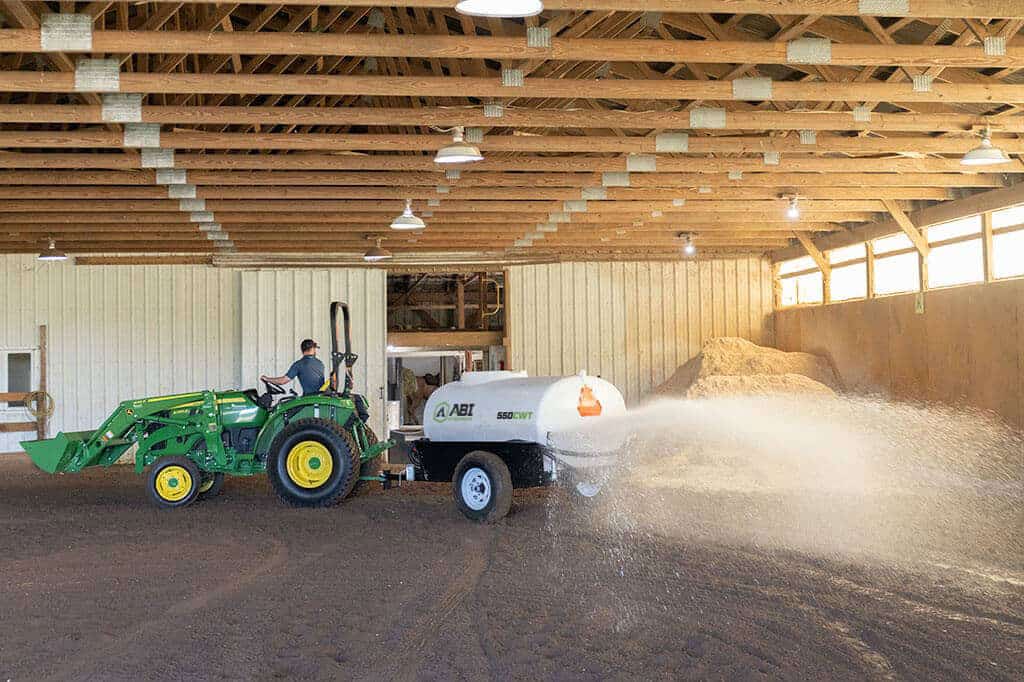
[(956, 255)]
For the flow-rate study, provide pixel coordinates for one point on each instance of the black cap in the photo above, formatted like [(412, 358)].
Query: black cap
[(307, 344)]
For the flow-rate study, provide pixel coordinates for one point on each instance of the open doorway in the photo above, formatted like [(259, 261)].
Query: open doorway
[(440, 325)]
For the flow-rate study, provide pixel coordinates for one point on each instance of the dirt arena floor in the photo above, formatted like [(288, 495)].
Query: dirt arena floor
[(97, 585)]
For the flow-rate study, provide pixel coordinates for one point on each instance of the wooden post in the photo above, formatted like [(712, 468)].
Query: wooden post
[(986, 246), (869, 254), (460, 303), (42, 419), (482, 277)]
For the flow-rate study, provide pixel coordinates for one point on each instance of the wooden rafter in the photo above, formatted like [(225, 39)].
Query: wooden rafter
[(305, 126)]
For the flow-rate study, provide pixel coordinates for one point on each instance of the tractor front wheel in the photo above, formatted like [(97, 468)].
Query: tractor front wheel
[(313, 463), (211, 485), (173, 482)]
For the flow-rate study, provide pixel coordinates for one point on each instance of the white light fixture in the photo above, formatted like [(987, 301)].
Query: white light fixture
[(52, 253), (689, 248), (375, 254), (986, 154), (793, 212), (498, 8), (459, 151), (408, 221)]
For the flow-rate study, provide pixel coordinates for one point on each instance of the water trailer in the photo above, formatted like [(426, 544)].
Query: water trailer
[(491, 432)]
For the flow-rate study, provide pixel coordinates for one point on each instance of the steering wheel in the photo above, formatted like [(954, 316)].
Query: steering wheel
[(273, 389)]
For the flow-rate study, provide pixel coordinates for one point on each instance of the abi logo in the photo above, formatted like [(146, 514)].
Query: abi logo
[(453, 412)]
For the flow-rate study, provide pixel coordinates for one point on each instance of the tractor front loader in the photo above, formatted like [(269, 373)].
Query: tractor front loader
[(313, 447)]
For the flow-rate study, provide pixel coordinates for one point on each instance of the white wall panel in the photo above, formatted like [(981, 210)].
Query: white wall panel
[(632, 323), (282, 307), (116, 333)]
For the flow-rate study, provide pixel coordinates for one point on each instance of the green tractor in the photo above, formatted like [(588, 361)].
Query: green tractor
[(314, 448)]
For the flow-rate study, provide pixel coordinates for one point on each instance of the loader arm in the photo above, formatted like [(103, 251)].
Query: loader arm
[(128, 424)]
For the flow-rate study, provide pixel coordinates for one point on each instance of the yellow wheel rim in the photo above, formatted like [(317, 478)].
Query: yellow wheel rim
[(207, 484), (173, 483), (309, 464)]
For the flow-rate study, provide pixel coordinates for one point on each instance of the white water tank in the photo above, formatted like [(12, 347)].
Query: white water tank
[(501, 406)]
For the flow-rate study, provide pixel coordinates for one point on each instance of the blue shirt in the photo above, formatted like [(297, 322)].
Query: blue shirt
[(310, 373)]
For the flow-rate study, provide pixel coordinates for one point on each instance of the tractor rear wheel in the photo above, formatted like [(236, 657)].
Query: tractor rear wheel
[(482, 487), (173, 482), (313, 463)]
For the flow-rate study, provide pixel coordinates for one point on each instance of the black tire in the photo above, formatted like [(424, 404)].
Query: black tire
[(168, 490), (211, 485), (370, 467), (344, 463), (487, 496)]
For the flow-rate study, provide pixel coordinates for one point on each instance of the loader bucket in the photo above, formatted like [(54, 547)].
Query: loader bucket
[(54, 454)]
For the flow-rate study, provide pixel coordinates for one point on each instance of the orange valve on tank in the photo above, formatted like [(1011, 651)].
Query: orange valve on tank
[(589, 405)]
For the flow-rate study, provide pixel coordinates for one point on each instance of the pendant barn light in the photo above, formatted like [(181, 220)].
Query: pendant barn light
[(459, 151), (375, 254), (52, 253), (408, 221), (986, 154), (505, 9), (793, 212)]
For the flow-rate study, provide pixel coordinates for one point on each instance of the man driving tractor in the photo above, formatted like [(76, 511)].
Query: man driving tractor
[(308, 369)]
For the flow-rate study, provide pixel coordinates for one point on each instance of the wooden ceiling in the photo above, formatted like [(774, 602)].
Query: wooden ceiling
[(301, 129)]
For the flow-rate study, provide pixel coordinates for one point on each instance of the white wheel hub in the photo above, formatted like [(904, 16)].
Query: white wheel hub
[(476, 488), (588, 489)]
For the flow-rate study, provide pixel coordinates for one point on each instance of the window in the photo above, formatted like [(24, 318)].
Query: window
[(1008, 217), (796, 265), (954, 229), (803, 289), (17, 374), (956, 256), (895, 242), (897, 274), (849, 281), (957, 263), (1008, 254), (846, 254)]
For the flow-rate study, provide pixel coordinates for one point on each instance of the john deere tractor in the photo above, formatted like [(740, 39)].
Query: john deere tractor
[(313, 447)]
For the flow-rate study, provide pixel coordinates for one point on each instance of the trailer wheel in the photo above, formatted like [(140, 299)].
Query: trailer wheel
[(173, 482), (211, 485), (313, 463), (482, 487)]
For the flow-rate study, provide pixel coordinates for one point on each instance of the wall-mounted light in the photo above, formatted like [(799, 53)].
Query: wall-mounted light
[(689, 248), (793, 212)]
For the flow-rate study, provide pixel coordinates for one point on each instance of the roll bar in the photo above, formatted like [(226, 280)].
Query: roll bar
[(337, 357)]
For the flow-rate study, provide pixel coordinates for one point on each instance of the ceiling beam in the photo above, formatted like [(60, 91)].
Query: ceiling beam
[(918, 8), (514, 48), (739, 144), (789, 164), (695, 194), (327, 180), (556, 88), (512, 117)]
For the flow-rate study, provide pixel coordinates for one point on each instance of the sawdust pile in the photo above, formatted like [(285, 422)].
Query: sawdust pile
[(734, 367), (757, 384)]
